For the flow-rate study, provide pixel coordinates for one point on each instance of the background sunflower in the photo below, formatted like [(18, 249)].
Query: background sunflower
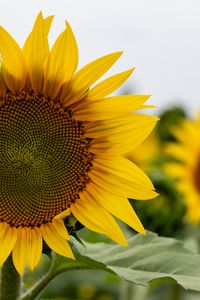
[(186, 165)]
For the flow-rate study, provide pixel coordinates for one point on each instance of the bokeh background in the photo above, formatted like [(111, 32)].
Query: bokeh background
[(161, 39)]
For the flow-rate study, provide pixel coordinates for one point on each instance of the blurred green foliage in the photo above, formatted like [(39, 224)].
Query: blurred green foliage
[(168, 119), (164, 214)]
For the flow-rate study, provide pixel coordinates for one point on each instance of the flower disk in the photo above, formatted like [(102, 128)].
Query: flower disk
[(44, 160), (62, 146)]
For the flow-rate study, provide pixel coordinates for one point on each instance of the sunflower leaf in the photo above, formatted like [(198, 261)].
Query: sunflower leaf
[(147, 258)]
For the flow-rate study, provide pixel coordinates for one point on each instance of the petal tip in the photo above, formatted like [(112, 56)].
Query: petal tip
[(144, 232), (131, 70), (118, 53)]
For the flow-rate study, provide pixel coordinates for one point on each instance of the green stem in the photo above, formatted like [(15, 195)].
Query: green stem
[(10, 281), (54, 271), (33, 292), (176, 292), (127, 291)]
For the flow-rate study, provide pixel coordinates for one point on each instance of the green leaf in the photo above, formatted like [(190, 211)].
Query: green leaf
[(145, 259)]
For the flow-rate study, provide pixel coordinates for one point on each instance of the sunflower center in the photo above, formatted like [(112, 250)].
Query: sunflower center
[(44, 160)]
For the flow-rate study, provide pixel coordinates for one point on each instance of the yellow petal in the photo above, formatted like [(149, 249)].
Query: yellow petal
[(33, 247), (28, 248), (179, 152), (60, 229), (85, 77), (176, 170), (55, 241), (14, 66), (188, 130), (119, 186), (4, 227), (8, 237), (3, 86), (19, 252), (92, 215), (112, 128), (110, 107), (63, 214), (72, 55), (120, 138), (108, 85), (62, 62), (118, 206), (47, 24), (36, 50), (123, 168)]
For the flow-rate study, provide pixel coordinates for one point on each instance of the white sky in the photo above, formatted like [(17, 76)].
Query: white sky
[(161, 38)]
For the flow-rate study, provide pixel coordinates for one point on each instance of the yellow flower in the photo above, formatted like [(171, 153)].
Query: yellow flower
[(186, 167), (62, 144)]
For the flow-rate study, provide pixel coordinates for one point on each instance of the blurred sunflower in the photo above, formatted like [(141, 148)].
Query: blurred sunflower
[(168, 207), (186, 167), (62, 144)]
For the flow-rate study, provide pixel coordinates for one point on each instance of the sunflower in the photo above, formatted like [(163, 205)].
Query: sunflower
[(186, 167), (62, 144)]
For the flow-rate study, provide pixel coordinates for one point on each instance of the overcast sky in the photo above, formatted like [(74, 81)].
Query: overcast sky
[(161, 38)]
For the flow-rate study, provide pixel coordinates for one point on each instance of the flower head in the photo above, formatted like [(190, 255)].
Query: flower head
[(62, 142), (186, 167)]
